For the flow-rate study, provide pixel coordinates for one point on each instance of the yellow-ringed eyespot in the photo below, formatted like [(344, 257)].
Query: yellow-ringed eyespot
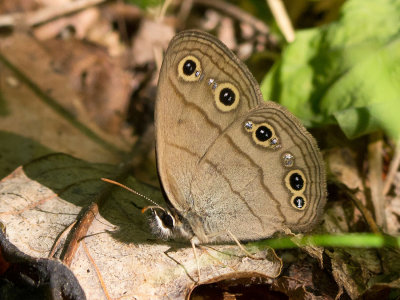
[(263, 134), (226, 96), (299, 201), (295, 181), (189, 68)]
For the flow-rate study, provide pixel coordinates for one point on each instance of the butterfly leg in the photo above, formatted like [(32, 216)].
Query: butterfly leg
[(194, 241)]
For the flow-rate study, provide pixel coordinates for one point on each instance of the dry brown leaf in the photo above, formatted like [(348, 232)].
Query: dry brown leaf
[(12, 6), (32, 114), (81, 22), (105, 87), (151, 36), (354, 269), (393, 208), (341, 162), (39, 201)]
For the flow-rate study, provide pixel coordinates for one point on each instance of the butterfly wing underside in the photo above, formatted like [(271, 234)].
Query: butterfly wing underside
[(228, 160), (267, 175), (189, 115)]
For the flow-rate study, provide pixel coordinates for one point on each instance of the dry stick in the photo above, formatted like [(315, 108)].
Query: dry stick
[(364, 211), (282, 19), (394, 166), (375, 178), (205, 248), (157, 50), (184, 11), (237, 13), (158, 57), (242, 248), (47, 13), (59, 239), (181, 265), (85, 219), (163, 10), (197, 259)]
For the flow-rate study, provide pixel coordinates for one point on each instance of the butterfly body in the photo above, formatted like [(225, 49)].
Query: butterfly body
[(227, 160)]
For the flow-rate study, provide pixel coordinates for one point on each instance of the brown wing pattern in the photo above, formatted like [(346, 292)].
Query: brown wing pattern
[(249, 194), (187, 118)]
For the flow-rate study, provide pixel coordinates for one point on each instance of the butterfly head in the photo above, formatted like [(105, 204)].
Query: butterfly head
[(169, 225)]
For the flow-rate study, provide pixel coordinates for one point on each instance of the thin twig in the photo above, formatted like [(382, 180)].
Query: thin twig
[(206, 249), (242, 248), (59, 239), (184, 11), (192, 242), (157, 50), (394, 166), (375, 178), (181, 265), (163, 10), (364, 211), (237, 13), (102, 283), (45, 14), (282, 19), (158, 56), (78, 231)]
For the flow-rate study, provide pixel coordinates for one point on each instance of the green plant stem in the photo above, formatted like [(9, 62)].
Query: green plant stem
[(349, 240)]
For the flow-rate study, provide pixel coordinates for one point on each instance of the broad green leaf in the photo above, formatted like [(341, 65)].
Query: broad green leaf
[(347, 72)]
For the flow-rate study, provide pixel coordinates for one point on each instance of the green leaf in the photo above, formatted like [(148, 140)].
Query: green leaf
[(143, 4), (346, 73)]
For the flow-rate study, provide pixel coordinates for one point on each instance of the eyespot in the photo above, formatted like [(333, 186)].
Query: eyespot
[(226, 96), (263, 134), (298, 202), (189, 68), (295, 181)]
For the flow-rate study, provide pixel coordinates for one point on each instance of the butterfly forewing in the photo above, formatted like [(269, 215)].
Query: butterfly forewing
[(202, 89)]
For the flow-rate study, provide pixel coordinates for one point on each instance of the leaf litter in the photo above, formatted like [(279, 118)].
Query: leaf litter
[(98, 65)]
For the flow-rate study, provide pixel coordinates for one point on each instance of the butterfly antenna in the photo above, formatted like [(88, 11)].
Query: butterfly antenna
[(136, 193)]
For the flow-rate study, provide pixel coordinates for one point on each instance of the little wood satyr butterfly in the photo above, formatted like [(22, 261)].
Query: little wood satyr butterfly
[(228, 161)]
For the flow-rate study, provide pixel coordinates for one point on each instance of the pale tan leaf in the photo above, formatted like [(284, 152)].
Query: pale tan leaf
[(118, 256)]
